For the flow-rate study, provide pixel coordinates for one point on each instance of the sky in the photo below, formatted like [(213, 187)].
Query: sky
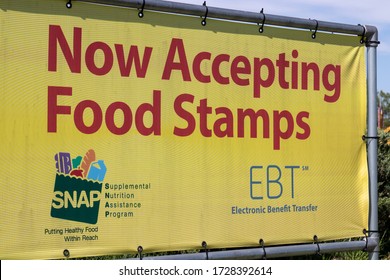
[(373, 12)]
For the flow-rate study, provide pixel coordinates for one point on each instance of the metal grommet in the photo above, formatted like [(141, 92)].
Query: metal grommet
[(261, 29), (140, 250), (363, 36), (66, 253), (366, 237), (204, 245), (315, 238), (141, 11), (203, 22), (264, 252), (314, 34)]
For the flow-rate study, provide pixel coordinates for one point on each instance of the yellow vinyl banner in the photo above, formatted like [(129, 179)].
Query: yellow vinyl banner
[(120, 131)]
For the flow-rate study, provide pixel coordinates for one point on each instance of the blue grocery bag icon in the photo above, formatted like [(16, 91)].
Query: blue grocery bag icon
[(97, 171)]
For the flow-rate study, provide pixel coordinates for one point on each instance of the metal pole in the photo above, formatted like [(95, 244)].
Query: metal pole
[(229, 14), (273, 252), (372, 140)]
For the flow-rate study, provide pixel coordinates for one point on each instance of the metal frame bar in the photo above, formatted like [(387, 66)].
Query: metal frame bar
[(370, 36), (372, 148), (273, 252), (229, 14)]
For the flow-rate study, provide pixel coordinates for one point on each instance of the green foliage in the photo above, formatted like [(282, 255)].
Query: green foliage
[(352, 255), (384, 100), (384, 191)]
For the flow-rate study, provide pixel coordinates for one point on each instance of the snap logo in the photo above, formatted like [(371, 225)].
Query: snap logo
[(78, 187)]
